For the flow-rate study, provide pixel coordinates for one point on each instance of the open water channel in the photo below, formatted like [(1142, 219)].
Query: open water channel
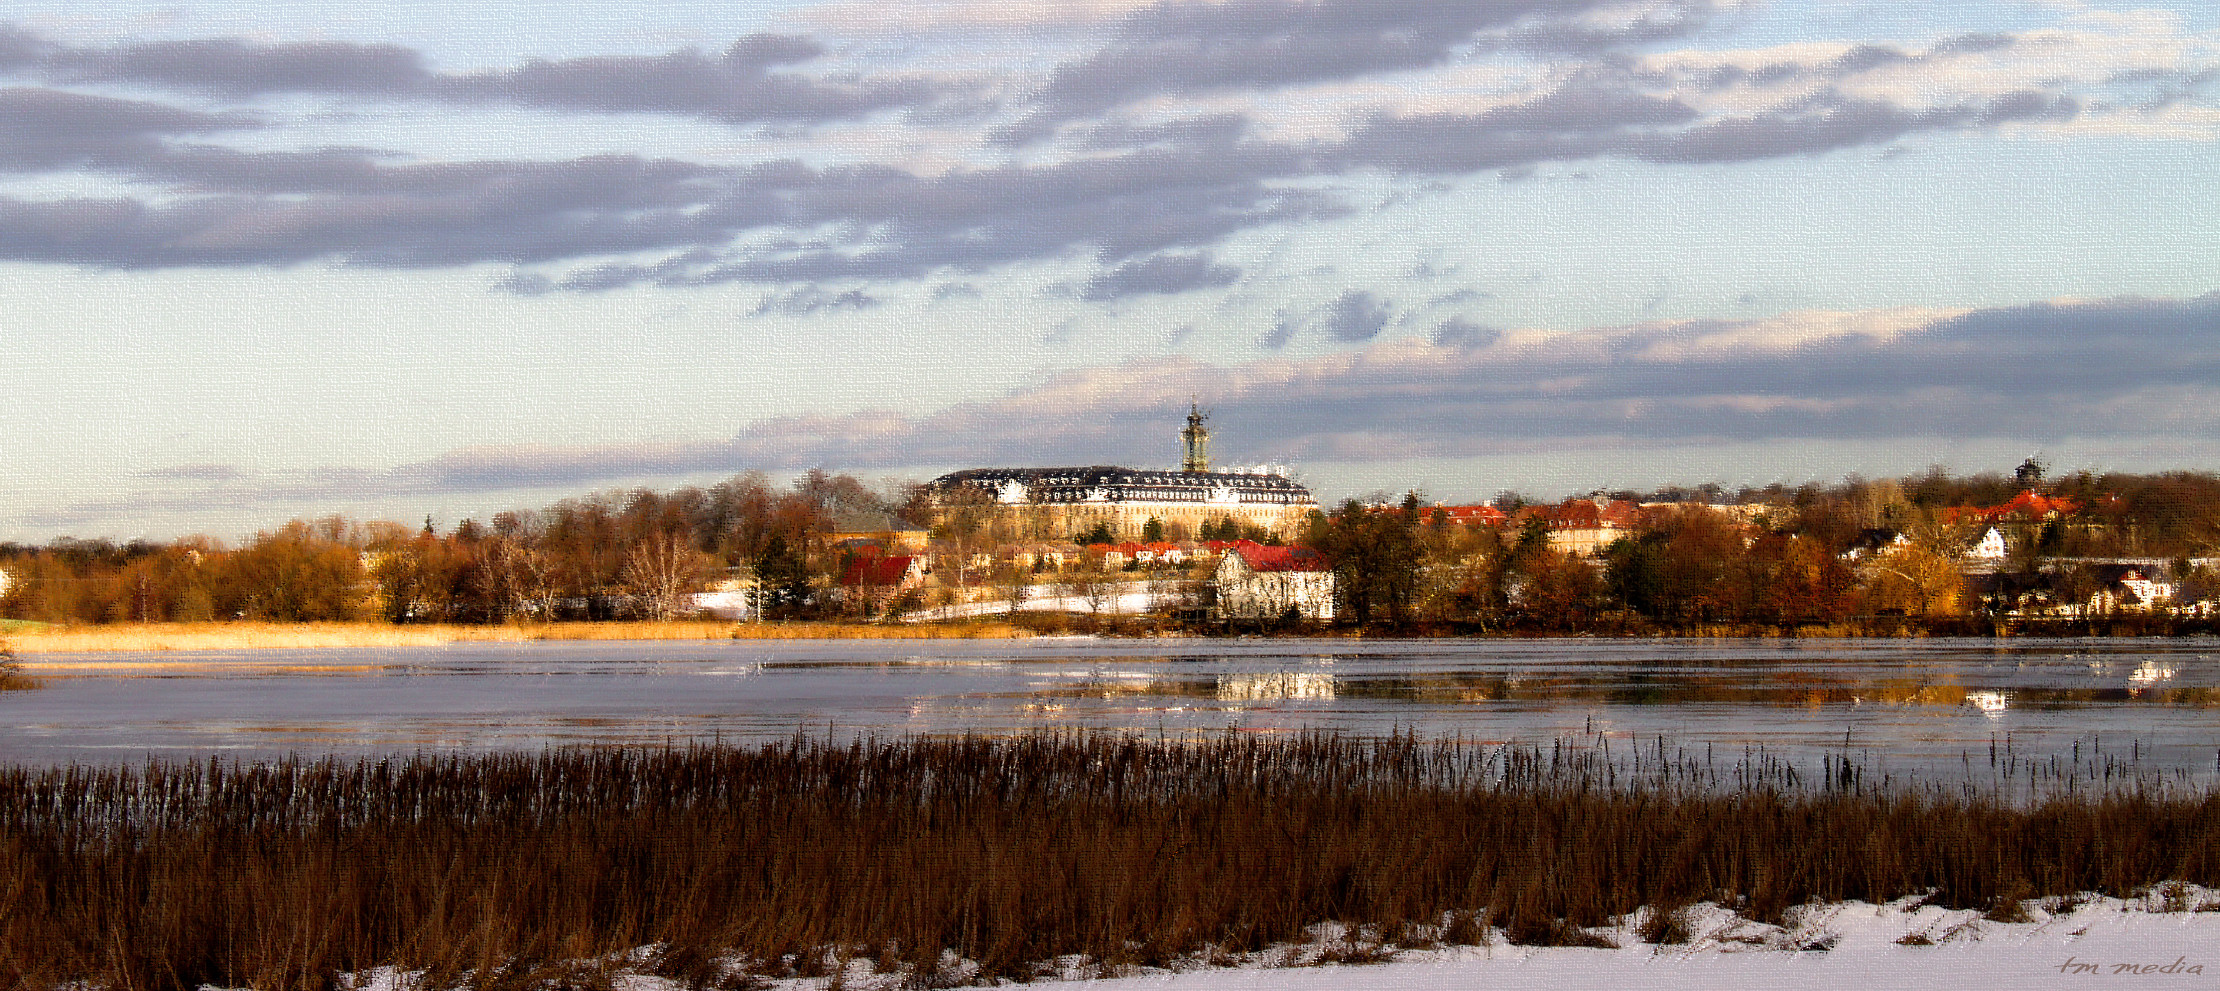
[(1919, 706)]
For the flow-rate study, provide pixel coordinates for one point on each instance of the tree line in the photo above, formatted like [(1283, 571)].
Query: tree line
[(1781, 558), (1813, 554), (605, 556)]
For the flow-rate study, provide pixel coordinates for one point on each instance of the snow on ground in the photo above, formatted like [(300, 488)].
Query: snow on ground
[(2165, 940), (1122, 604)]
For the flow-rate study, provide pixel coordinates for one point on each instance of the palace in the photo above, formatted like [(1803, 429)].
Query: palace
[(1056, 503)]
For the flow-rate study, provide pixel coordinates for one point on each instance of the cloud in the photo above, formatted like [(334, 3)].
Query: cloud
[(1356, 316), (237, 67), (1149, 189), (809, 300), (1830, 121), (20, 47), (1163, 274), (2138, 368), (1458, 332), (345, 205), (736, 86), (1178, 48), (43, 129)]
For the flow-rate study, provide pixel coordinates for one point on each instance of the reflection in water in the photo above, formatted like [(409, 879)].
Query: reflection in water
[(1275, 685), (2150, 672), (1990, 703), (1920, 703)]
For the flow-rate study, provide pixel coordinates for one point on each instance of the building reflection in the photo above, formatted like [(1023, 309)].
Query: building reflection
[(1274, 685)]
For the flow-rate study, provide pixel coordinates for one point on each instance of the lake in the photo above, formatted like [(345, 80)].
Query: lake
[(1922, 706)]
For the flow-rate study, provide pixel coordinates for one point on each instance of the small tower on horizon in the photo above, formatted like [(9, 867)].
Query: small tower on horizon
[(1197, 440)]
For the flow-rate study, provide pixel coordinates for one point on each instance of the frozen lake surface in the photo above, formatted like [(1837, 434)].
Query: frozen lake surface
[(1925, 706)]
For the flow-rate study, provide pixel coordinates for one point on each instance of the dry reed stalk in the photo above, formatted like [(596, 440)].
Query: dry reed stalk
[(520, 869)]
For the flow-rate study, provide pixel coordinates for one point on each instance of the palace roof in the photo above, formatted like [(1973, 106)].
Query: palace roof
[(1112, 484)]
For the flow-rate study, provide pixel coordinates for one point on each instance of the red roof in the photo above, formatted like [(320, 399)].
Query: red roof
[(2027, 505), (1261, 558), (1482, 515), (1622, 513), (877, 570)]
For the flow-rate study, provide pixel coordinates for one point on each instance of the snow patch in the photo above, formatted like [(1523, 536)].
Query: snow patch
[(2168, 936)]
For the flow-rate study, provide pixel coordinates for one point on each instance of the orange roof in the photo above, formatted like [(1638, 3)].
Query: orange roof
[(1482, 515), (2027, 505), (1261, 558)]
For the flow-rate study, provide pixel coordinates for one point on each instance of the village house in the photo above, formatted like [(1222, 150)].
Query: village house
[(1990, 548), (1481, 515), (1583, 526), (1873, 542), (889, 533), (1256, 582), (875, 580)]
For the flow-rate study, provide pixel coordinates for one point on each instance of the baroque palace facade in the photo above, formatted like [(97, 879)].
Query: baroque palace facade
[(1056, 503)]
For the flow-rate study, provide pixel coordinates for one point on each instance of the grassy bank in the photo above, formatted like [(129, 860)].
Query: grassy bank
[(796, 858), (251, 635)]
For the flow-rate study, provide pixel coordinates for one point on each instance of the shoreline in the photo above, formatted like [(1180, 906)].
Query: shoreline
[(34, 639), (322, 636)]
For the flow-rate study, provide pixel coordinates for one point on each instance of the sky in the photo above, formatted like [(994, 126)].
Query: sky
[(261, 260)]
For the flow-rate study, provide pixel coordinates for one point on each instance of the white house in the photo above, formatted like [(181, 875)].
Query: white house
[(1989, 548), (1259, 582)]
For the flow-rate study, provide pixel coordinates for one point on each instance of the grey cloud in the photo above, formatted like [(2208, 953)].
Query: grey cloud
[(1159, 274), (900, 225), (1183, 48), (1595, 113), (735, 86), (1352, 317), (1458, 332), (395, 216), (1456, 296), (1829, 121), (1357, 315), (1208, 129), (2139, 367), (525, 284), (718, 224), (1147, 209), (48, 129), (1601, 113), (19, 48), (235, 66), (805, 301), (1860, 59)]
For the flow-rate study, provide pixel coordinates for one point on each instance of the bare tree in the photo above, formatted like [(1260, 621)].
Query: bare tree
[(662, 573), (525, 576)]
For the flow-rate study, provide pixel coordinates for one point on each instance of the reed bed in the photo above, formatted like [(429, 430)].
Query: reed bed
[(508, 870)]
